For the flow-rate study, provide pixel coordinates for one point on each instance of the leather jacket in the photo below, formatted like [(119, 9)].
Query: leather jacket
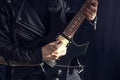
[(19, 26)]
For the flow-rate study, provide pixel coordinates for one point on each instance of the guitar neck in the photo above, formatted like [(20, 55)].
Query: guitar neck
[(74, 25)]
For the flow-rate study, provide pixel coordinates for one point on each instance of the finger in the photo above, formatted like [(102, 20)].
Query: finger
[(87, 13), (92, 5), (93, 8), (49, 58), (54, 57), (63, 51), (90, 13), (60, 52), (55, 42), (92, 2), (54, 45), (57, 55)]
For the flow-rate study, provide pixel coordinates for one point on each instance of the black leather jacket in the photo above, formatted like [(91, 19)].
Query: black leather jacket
[(19, 26)]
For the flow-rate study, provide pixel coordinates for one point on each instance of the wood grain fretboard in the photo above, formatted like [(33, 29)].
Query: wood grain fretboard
[(74, 24)]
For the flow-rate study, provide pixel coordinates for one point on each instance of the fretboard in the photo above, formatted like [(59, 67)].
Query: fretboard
[(74, 24)]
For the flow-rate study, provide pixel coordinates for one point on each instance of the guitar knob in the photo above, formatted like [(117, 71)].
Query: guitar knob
[(59, 72), (57, 79)]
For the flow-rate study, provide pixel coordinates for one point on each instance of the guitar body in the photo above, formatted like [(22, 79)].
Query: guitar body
[(73, 51)]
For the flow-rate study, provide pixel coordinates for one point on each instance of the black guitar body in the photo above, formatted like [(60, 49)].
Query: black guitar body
[(60, 70)]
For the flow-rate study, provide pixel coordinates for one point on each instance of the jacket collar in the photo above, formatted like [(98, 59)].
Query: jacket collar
[(17, 6)]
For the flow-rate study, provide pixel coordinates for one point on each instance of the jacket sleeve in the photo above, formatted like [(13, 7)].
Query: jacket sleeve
[(10, 50)]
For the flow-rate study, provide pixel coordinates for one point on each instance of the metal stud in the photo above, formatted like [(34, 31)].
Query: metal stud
[(19, 18), (57, 79), (9, 1), (59, 72)]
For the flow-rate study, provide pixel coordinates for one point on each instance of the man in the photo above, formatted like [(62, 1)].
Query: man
[(22, 24)]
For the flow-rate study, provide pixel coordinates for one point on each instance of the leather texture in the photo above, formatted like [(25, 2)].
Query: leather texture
[(20, 25)]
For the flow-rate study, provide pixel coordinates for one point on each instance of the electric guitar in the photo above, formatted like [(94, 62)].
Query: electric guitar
[(65, 36)]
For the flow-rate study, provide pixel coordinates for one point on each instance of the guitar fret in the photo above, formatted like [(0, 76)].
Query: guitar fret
[(74, 25), (67, 33)]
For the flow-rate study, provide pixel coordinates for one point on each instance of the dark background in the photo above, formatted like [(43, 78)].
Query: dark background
[(108, 40)]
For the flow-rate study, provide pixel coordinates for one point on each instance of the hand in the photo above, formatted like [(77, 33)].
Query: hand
[(90, 9), (53, 50)]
